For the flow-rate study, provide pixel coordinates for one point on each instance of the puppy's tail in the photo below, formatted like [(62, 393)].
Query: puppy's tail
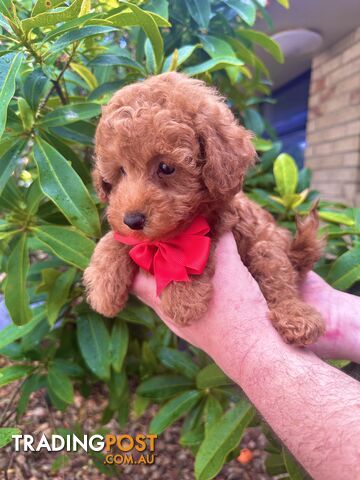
[(306, 247)]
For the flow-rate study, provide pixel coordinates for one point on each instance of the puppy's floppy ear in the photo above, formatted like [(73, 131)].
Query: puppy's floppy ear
[(102, 188), (226, 150)]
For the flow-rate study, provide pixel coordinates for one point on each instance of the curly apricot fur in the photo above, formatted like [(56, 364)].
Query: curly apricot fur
[(186, 124)]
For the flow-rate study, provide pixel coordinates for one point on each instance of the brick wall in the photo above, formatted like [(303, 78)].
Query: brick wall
[(333, 129)]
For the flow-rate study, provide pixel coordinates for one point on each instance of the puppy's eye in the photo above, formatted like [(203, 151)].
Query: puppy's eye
[(165, 169), (122, 171)]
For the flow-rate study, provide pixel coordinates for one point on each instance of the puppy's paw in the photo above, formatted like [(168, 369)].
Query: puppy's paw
[(184, 302), (105, 309), (297, 323), (101, 295)]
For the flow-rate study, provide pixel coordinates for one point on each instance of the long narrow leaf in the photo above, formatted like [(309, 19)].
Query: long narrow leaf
[(16, 294), (9, 67), (221, 438), (60, 183), (66, 243)]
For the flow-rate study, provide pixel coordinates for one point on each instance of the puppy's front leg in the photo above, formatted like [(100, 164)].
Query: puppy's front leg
[(185, 302), (109, 276)]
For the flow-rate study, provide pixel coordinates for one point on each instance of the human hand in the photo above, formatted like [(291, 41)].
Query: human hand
[(240, 305), (235, 306), (341, 312)]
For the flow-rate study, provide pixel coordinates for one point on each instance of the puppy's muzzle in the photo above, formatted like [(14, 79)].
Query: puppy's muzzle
[(135, 221)]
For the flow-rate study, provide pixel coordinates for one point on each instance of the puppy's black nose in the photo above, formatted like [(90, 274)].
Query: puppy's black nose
[(135, 221)]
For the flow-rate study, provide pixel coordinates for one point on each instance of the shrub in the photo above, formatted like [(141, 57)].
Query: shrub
[(59, 64)]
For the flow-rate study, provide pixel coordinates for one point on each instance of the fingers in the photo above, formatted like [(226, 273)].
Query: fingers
[(232, 279), (144, 287)]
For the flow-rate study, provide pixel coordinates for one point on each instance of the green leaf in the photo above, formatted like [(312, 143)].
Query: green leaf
[(26, 115), (9, 67), (335, 217), (264, 41), (182, 54), (58, 295), (47, 19), (213, 411), (116, 61), (160, 7), (244, 8), (66, 243), (294, 471), (76, 35), (213, 65), (222, 437), (70, 25), (119, 344), (12, 332), (60, 183), (16, 294), (150, 59), (70, 114), (31, 384), (10, 152), (13, 373), (211, 376), (241, 51), (140, 405), (284, 3), (68, 367), (78, 132), (216, 47), (44, 5), (6, 435), (5, 7), (34, 86), (345, 271), (139, 314), (161, 387), (94, 343), (253, 121), (286, 174), (262, 145), (200, 11), (85, 74), (60, 384), (304, 180), (274, 464), (179, 361), (173, 410), (145, 20)]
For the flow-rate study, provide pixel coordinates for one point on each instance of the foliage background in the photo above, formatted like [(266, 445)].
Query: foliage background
[(59, 62)]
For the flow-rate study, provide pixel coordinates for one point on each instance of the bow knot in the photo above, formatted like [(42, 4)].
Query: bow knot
[(172, 259)]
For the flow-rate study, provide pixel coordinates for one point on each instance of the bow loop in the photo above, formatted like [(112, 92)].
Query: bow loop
[(173, 259)]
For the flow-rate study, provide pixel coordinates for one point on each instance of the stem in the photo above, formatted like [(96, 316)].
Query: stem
[(59, 91), (8, 466), (10, 402), (56, 84), (29, 47)]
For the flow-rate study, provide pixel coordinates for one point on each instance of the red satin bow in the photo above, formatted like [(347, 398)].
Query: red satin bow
[(172, 259)]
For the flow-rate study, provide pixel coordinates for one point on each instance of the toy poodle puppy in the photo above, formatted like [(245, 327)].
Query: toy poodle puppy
[(169, 151)]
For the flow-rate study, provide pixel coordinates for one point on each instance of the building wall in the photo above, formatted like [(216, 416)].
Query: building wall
[(333, 128)]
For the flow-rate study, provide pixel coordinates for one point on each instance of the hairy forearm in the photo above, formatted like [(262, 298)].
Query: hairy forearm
[(311, 406)]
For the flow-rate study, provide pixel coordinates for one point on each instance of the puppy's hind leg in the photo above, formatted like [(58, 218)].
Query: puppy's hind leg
[(297, 322)]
